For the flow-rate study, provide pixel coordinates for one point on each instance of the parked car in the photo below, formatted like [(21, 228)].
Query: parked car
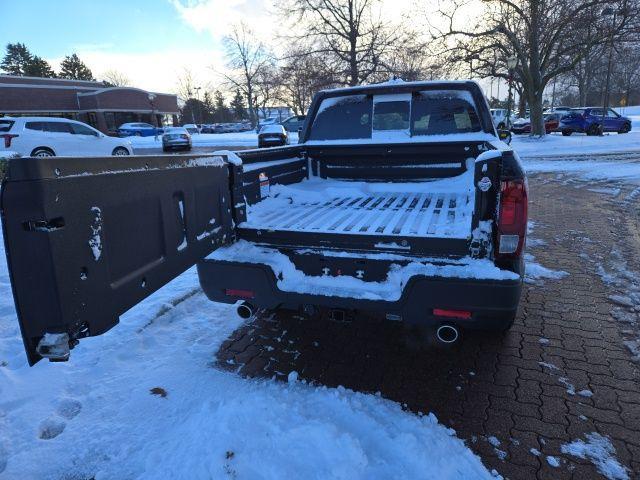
[(192, 128), (138, 130), (207, 128), (176, 138), (428, 232), (49, 137), (551, 123), (266, 121), (589, 120), (272, 136), (293, 123)]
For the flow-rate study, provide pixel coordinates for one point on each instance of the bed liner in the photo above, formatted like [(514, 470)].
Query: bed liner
[(431, 209)]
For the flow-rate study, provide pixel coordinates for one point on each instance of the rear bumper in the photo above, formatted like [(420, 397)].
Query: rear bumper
[(492, 302)]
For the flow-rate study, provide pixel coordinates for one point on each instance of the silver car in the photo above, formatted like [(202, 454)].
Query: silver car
[(176, 138)]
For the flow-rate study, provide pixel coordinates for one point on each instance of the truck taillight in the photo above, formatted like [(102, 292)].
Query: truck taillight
[(7, 139), (512, 220)]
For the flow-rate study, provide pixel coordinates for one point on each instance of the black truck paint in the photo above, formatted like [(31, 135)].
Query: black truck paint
[(88, 238)]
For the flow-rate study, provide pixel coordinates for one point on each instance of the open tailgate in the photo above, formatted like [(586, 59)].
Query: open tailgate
[(88, 238)]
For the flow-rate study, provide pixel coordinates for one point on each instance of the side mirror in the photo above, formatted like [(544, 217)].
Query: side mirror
[(505, 136)]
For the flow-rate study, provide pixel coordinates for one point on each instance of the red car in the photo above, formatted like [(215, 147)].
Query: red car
[(551, 124)]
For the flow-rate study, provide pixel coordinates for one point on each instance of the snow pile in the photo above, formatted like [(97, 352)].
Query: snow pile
[(534, 272), (290, 279), (600, 452), (616, 274), (145, 401)]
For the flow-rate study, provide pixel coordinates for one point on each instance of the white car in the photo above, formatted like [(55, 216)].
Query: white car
[(49, 137), (192, 128), (499, 116)]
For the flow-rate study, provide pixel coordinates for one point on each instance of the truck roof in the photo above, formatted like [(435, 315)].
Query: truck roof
[(398, 85)]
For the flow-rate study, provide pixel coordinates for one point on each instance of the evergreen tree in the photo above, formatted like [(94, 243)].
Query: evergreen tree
[(221, 113), (16, 59), (238, 106), (39, 67), (74, 69)]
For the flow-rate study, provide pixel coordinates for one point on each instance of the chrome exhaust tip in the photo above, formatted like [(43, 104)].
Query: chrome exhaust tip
[(245, 310), (447, 334)]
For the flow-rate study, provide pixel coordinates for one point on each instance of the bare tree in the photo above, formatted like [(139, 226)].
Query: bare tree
[(351, 35), (116, 78), (548, 37), (247, 59), (185, 85), (302, 74)]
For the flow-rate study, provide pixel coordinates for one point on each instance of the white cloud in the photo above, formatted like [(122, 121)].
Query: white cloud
[(156, 71), (217, 16)]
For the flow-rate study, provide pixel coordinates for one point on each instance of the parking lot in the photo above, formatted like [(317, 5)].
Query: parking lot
[(564, 373)]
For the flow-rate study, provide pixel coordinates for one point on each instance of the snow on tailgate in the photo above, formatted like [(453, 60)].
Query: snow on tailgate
[(439, 208), (293, 280)]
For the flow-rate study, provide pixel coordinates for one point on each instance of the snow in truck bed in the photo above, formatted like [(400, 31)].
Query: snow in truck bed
[(438, 208)]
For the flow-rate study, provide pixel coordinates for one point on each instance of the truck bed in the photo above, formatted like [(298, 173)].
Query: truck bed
[(431, 209)]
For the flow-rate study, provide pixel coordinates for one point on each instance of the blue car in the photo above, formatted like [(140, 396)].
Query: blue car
[(588, 120), (139, 130)]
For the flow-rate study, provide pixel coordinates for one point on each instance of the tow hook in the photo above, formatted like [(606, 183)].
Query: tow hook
[(54, 346)]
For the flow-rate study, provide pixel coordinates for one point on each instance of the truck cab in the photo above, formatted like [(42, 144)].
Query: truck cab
[(400, 199)]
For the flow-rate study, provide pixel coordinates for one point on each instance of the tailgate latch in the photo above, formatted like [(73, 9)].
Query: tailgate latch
[(54, 346)]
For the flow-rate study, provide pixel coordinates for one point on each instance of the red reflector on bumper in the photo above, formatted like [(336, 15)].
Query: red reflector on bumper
[(441, 312), (232, 292)]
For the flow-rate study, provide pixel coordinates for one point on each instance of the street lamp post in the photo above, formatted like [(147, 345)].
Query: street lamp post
[(512, 62), (197, 89), (605, 107)]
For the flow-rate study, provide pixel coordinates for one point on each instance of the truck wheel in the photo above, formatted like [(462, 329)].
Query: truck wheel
[(566, 133)]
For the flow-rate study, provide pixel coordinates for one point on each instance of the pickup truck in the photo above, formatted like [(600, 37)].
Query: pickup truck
[(400, 200)]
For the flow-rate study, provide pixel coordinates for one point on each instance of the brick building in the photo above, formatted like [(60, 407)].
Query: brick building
[(104, 108)]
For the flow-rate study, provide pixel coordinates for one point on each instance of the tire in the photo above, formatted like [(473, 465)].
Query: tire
[(626, 128), (42, 152), (120, 152), (566, 133), (593, 130)]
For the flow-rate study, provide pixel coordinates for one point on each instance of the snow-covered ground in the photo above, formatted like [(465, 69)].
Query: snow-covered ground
[(96, 416), (555, 144)]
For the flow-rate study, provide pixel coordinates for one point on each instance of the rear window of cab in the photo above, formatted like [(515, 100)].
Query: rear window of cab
[(430, 112)]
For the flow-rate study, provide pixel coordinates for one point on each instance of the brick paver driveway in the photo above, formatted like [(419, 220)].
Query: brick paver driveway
[(562, 372)]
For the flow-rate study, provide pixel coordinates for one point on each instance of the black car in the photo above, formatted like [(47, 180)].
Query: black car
[(272, 136), (293, 123)]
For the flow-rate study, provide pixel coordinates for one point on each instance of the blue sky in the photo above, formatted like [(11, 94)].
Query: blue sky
[(63, 26), (152, 42)]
